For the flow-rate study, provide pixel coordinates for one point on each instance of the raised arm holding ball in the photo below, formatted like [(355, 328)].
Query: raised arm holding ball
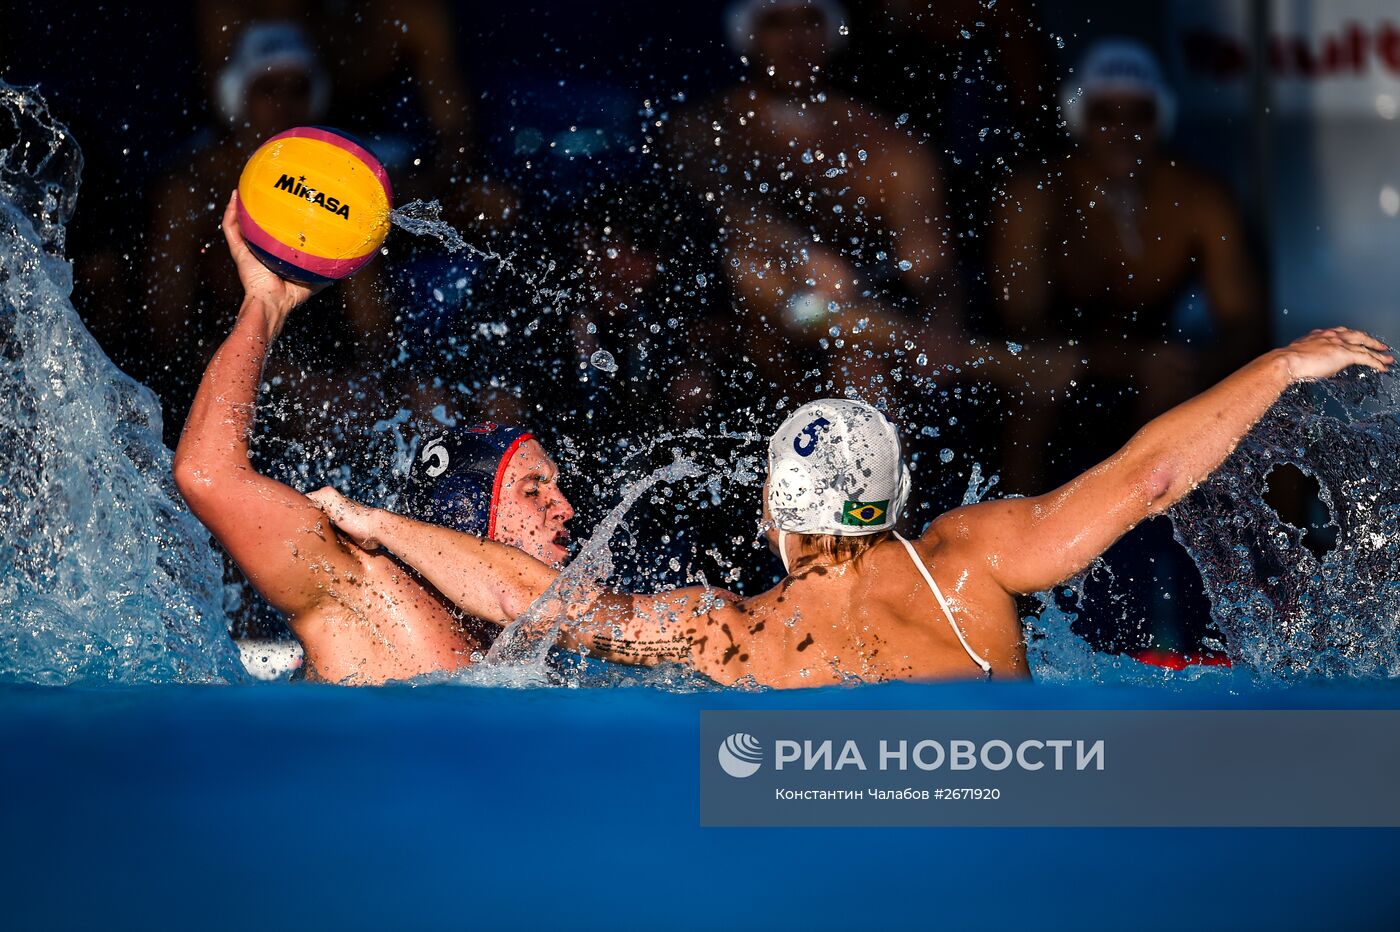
[(361, 617)]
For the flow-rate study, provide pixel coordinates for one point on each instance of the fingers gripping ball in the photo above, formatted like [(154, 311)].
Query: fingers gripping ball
[(314, 204)]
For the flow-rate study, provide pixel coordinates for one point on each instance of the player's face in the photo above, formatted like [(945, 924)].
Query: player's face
[(1120, 131), (532, 511)]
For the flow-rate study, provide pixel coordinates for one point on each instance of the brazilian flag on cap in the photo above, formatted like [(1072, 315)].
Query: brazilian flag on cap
[(859, 514)]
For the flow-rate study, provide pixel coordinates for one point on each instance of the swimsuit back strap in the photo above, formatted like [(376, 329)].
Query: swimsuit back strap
[(942, 603)]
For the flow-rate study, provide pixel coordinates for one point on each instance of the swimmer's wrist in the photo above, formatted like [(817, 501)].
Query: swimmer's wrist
[(1285, 361), (377, 524), (266, 312)]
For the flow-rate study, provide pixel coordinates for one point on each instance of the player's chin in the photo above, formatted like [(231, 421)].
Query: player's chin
[(554, 554)]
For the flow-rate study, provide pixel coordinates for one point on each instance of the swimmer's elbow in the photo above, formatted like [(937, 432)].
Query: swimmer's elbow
[(197, 484), (188, 481), (188, 466), (1159, 484)]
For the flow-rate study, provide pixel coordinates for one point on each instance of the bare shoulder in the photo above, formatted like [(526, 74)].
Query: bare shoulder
[(986, 539), (343, 567), (961, 553), (963, 528)]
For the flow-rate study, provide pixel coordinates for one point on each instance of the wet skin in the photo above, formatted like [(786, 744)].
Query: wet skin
[(361, 616), (874, 617)]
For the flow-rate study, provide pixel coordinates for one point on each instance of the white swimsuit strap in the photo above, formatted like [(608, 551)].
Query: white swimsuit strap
[(943, 603)]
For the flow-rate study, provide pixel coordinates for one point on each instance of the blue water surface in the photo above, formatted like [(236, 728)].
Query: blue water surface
[(448, 806)]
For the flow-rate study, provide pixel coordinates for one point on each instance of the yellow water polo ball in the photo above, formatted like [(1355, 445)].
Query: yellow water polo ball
[(313, 204)]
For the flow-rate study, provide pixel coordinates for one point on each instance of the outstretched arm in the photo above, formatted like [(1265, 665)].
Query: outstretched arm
[(1030, 544), (275, 534), (498, 583)]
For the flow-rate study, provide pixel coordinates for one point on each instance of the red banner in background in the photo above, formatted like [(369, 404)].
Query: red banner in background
[(1333, 58)]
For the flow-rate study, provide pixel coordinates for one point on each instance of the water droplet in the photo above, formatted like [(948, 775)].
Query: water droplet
[(603, 361), (905, 265), (946, 455)]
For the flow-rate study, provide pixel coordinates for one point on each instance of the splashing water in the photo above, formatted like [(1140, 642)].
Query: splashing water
[(104, 575), (424, 218), (1286, 612), (518, 655), (603, 361)]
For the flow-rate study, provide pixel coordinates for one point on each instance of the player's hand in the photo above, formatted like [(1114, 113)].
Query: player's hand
[(277, 295), (354, 520), (1323, 353)]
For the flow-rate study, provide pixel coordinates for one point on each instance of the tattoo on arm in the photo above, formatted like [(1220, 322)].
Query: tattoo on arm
[(671, 647)]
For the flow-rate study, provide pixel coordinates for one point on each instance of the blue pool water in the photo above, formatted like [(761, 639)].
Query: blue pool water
[(244, 806)]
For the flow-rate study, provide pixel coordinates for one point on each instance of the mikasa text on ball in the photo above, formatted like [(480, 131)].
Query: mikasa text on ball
[(314, 204)]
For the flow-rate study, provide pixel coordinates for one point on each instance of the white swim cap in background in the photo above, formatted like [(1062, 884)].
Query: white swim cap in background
[(1117, 67), (262, 48), (745, 15), (836, 467)]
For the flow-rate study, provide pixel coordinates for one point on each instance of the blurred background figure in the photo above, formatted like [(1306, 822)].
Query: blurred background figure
[(1106, 251), (1113, 247), (398, 78), (834, 211), (978, 81)]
